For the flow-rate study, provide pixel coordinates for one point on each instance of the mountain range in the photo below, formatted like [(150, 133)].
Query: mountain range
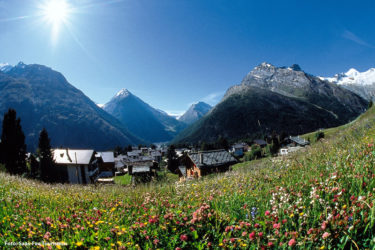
[(141, 119), (361, 83), (280, 99), (195, 112), (43, 98)]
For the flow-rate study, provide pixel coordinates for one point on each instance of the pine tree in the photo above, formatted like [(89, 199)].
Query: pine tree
[(172, 159), (34, 167), (13, 147), (45, 158)]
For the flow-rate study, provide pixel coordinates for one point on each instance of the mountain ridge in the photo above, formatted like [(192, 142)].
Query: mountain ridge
[(142, 119), (289, 97), (43, 97)]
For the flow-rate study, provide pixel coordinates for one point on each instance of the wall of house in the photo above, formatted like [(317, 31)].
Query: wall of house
[(75, 174)]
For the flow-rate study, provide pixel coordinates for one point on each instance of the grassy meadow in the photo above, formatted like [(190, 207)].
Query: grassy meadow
[(320, 198)]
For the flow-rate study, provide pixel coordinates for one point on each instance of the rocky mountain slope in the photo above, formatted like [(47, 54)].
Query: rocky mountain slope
[(281, 99), (42, 97), (361, 83), (195, 112), (141, 119)]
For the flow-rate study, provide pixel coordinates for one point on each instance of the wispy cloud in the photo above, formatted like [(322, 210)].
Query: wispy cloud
[(214, 97), (175, 113), (354, 38)]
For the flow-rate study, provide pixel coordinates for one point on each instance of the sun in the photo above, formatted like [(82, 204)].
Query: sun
[(56, 11)]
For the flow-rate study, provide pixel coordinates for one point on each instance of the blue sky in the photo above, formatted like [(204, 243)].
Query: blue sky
[(172, 53)]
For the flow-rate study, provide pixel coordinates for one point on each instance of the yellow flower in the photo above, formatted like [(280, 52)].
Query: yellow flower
[(302, 213), (58, 246), (95, 248), (322, 247), (119, 243), (79, 243), (291, 215), (220, 244), (343, 207)]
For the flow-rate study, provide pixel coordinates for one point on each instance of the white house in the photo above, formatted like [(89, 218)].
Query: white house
[(79, 163)]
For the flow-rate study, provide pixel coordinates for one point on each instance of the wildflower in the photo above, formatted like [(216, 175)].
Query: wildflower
[(156, 241), (326, 235), (292, 242), (252, 235), (260, 234), (183, 237), (270, 244), (79, 243), (267, 213), (276, 226), (322, 248)]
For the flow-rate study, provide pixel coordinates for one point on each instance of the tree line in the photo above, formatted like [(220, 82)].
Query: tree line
[(13, 155)]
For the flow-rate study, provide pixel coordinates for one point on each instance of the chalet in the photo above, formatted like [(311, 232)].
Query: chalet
[(238, 149), (206, 162), (141, 170), (79, 165), (156, 155), (106, 161), (298, 141), (134, 154), (261, 143)]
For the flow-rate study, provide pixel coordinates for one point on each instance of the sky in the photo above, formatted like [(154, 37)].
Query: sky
[(172, 53)]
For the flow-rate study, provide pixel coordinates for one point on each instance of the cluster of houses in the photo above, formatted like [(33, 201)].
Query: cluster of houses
[(288, 145), (83, 166)]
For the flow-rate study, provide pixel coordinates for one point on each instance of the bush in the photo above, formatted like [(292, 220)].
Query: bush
[(319, 135), (255, 153)]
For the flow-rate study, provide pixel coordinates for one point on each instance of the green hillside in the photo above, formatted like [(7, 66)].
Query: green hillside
[(320, 198)]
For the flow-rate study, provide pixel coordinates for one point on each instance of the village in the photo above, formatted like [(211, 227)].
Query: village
[(87, 166)]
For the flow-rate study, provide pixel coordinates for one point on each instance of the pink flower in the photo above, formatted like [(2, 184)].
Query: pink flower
[(156, 241), (326, 235), (270, 244), (276, 226), (324, 225), (183, 237), (252, 235), (292, 242), (267, 213), (260, 234), (256, 225), (244, 234)]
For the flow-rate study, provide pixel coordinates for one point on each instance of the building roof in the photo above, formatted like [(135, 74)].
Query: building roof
[(155, 153), (106, 156), (260, 142), (140, 169), (212, 158), (299, 140), (72, 156), (134, 153)]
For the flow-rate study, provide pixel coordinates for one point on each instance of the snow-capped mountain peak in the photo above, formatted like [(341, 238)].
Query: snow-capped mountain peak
[(123, 93), (353, 76), (5, 67), (352, 72)]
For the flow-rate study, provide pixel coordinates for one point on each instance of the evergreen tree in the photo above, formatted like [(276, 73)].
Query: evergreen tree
[(13, 147), (172, 159), (34, 167), (370, 104), (45, 157)]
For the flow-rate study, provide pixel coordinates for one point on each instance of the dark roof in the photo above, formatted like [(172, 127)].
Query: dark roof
[(212, 158), (299, 140), (260, 142)]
